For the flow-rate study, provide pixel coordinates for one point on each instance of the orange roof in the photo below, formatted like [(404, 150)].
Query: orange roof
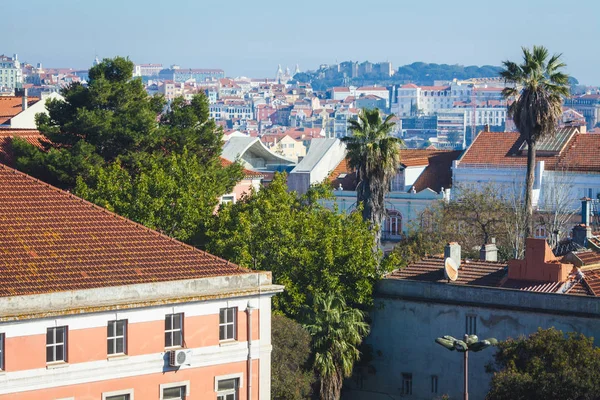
[(502, 149), (13, 105), (33, 136), (53, 241)]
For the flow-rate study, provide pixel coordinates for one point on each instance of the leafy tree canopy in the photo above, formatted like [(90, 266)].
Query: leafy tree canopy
[(309, 248), (155, 163), (546, 365), (291, 372)]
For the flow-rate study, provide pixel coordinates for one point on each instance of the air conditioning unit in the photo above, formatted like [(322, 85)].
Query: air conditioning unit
[(177, 358)]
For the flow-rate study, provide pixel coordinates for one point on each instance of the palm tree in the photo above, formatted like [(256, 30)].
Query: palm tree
[(337, 330), (375, 156), (538, 87)]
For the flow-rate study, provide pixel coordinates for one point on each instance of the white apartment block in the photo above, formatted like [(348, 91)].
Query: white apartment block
[(10, 72), (223, 111)]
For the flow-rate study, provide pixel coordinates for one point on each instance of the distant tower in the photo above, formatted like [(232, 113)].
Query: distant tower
[(279, 74), (96, 61), (297, 70)]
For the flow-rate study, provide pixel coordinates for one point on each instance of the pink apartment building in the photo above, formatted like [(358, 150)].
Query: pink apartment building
[(94, 306)]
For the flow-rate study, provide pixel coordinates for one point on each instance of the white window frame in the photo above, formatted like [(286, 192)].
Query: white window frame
[(55, 344), (173, 330), (222, 395), (228, 323), (228, 198), (116, 337), (185, 384), (106, 395), (407, 383)]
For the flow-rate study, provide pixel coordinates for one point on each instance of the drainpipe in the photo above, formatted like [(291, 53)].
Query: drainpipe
[(249, 310)]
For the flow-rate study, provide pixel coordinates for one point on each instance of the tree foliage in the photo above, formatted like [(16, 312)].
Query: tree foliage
[(309, 249), (546, 365), (375, 156), (291, 372), (337, 331), (537, 86), (155, 163)]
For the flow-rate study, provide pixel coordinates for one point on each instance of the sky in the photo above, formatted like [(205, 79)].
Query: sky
[(251, 38)]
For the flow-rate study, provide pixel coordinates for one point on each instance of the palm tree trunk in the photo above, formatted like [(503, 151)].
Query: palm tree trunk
[(531, 145)]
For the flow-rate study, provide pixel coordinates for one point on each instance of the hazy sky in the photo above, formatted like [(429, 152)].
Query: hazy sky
[(251, 37)]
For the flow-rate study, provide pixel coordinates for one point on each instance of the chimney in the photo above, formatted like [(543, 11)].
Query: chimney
[(452, 250), (489, 251), (25, 100), (540, 264), (585, 211), (486, 128)]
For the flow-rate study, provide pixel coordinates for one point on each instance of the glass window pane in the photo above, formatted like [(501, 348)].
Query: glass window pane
[(109, 346), (229, 331), (168, 342), (222, 315), (168, 322), (120, 328), (177, 321), (222, 332), (60, 352), (49, 354), (173, 393), (50, 336), (110, 329), (177, 338), (230, 314), (227, 384), (120, 345), (230, 397), (60, 335)]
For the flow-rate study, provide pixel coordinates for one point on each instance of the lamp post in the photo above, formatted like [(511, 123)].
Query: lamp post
[(470, 343)]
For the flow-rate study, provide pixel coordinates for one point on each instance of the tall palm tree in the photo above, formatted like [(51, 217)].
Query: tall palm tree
[(538, 87), (337, 330), (375, 156)]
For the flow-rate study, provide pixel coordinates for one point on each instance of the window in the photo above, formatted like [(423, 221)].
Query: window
[(116, 334), (56, 344), (471, 325), (227, 389), (2, 340), (227, 199), (434, 384), (173, 330), (227, 323), (407, 384), (177, 392)]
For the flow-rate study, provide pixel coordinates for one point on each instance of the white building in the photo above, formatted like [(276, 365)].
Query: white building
[(11, 76), (229, 110)]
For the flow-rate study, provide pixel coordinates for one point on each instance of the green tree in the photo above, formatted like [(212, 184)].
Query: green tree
[(309, 248), (337, 331), (375, 156), (175, 194), (131, 153), (538, 88), (291, 373), (546, 365)]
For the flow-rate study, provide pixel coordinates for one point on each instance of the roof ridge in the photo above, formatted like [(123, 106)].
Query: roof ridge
[(104, 210)]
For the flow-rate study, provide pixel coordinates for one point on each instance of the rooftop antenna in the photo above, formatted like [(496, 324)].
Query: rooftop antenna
[(450, 269)]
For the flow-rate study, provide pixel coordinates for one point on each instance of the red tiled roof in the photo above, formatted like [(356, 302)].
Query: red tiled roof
[(541, 287), (13, 105), (53, 241), (502, 149), (430, 269), (33, 136)]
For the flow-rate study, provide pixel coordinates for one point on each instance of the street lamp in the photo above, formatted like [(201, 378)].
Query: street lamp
[(470, 343)]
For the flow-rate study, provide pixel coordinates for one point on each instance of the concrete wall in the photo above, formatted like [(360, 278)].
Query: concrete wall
[(409, 316)]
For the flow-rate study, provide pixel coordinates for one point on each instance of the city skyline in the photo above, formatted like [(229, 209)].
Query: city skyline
[(252, 41)]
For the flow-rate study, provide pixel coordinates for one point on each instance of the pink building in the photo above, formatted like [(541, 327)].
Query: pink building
[(94, 306)]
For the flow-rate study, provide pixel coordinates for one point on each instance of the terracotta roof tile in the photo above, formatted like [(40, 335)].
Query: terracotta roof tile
[(430, 269), (12, 105), (53, 241)]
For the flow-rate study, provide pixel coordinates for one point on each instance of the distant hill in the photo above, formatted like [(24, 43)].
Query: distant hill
[(424, 74)]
